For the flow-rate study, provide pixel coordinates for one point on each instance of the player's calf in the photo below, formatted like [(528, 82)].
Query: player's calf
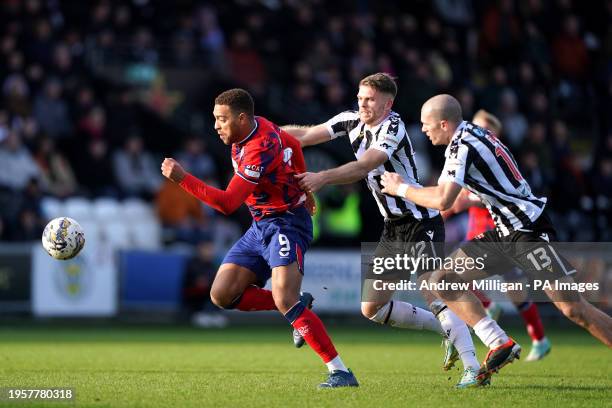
[(597, 322)]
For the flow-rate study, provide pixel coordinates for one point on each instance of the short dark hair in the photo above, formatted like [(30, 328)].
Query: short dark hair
[(239, 101), (382, 82)]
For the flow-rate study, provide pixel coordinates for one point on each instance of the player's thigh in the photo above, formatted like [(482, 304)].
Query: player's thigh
[(541, 259), (286, 239), (450, 283), (247, 252), (230, 282)]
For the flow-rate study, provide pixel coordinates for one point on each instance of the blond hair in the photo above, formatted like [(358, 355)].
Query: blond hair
[(492, 122)]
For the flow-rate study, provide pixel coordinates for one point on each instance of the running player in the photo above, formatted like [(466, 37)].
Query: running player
[(265, 160), (480, 221), (379, 141), (478, 161)]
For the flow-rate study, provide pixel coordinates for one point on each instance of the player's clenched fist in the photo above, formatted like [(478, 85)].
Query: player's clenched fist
[(172, 170)]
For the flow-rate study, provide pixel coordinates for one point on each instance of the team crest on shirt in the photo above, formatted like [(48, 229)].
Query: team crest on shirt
[(393, 126), (287, 154)]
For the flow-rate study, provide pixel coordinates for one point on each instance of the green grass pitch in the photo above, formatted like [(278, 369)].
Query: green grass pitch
[(255, 366)]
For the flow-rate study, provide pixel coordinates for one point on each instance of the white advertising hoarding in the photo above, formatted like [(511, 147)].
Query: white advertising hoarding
[(83, 286), (334, 279)]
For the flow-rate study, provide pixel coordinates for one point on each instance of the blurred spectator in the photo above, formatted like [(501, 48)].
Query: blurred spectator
[(515, 124), (491, 94), (142, 48), (302, 106), (456, 12), (200, 272), (245, 65), (93, 125), (602, 180), (30, 221), (83, 103), (195, 159), (94, 169), (57, 176), (569, 50), (51, 110), (536, 142), (16, 93), (212, 38), (501, 32), (135, 169), (530, 169), (40, 44), (17, 167), (181, 215)]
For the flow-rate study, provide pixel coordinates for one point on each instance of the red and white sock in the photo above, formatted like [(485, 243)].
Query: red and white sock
[(312, 329), (255, 298)]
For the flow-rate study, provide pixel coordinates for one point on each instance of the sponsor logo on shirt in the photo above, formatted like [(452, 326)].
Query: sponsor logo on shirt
[(253, 170)]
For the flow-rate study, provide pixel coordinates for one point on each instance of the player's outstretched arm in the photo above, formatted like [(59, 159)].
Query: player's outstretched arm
[(226, 201), (345, 174), (308, 135), (440, 197)]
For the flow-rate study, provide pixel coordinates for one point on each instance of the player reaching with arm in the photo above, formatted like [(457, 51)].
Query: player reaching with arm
[(379, 141), (479, 222), (266, 160), (478, 161)]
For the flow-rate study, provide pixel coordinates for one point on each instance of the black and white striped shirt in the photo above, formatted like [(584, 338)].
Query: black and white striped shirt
[(390, 137), (478, 161)]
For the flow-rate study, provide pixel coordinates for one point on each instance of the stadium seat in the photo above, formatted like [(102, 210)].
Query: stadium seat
[(116, 233), (146, 234), (91, 229), (52, 207), (136, 209), (78, 208), (106, 209)]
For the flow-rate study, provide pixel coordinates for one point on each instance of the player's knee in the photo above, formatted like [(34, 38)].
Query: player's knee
[(284, 301), (221, 298), (369, 309), (378, 313)]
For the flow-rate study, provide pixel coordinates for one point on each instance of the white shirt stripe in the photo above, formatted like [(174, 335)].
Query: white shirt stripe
[(390, 137)]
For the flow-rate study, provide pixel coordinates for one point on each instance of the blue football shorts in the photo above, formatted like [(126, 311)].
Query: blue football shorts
[(273, 241)]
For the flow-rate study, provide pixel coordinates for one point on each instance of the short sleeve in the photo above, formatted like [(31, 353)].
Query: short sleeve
[(342, 123), (390, 137), (455, 166)]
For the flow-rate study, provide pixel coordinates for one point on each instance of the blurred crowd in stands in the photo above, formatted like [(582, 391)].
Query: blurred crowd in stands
[(95, 94)]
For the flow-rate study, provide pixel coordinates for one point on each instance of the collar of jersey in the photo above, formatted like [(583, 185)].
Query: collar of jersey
[(458, 130), (376, 128), (250, 134)]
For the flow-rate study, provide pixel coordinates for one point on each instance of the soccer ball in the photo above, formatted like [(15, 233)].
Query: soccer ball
[(63, 238)]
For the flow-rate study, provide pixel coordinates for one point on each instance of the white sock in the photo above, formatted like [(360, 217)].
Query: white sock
[(459, 334), (336, 364), (490, 333), (542, 340), (406, 316)]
